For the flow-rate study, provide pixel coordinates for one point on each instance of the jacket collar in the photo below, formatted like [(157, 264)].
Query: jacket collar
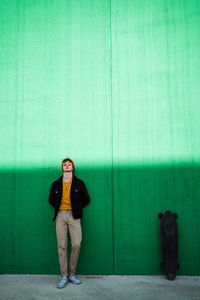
[(74, 178)]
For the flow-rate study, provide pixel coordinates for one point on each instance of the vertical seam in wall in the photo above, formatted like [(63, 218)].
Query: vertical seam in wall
[(13, 258), (112, 146)]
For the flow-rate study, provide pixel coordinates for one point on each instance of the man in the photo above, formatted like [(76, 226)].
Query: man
[(68, 196)]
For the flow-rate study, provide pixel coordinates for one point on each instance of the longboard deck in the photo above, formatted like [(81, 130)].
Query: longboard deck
[(169, 243)]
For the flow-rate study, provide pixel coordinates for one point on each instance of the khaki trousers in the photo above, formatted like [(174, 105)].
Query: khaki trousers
[(65, 221)]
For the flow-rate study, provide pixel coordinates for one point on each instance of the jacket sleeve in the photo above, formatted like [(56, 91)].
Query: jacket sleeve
[(85, 195), (51, 196)]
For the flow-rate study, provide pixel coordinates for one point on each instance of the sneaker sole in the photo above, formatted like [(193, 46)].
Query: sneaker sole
[(74, 282), (61, 287)]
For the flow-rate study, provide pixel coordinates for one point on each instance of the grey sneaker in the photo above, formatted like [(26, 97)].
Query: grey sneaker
[(61, 284), (74, 280)]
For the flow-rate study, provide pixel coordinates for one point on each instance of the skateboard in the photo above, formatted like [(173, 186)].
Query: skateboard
[(169, 243)]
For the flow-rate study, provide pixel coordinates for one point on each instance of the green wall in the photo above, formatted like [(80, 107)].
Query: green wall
[(115, 86)]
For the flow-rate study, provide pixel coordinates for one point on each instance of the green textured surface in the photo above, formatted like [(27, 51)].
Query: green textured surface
[(114, 85), (156, 125)]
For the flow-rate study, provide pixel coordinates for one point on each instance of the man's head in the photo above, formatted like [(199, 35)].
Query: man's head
[(68, 165)]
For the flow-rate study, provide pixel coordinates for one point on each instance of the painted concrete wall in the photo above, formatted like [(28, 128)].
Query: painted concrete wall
[(115, 86)]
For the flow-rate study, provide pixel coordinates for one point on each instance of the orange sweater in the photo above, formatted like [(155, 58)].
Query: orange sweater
[(66, 201)]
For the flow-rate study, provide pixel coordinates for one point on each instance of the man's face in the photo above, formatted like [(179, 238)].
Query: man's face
[(67, 166)]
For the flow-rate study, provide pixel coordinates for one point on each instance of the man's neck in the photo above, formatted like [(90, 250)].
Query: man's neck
[(67, 176)]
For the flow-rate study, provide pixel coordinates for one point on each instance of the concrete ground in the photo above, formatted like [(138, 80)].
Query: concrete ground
[(43, 287)]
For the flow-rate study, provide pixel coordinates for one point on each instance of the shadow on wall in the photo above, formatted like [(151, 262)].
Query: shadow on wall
[(121, 229)]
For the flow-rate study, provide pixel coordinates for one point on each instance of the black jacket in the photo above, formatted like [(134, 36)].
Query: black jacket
[(79, 196)]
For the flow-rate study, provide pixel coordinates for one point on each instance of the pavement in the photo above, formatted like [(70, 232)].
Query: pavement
[(112, 287)]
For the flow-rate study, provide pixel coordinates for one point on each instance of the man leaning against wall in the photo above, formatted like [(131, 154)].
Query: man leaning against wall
[(68, 196)]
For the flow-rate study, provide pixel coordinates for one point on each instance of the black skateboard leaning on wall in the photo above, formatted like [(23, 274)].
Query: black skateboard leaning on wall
[(169, 243)]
